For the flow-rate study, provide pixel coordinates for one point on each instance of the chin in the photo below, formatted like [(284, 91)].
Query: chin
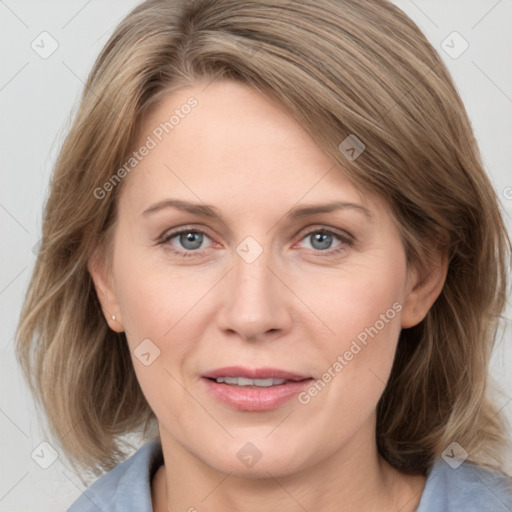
[(258, 458)]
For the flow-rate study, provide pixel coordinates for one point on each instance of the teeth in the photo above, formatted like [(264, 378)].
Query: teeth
[(242, 381)]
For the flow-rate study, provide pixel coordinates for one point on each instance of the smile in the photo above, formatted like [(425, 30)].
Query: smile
[(247, 389)]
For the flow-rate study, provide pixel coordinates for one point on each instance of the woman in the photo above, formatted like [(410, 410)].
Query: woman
[(270, 235)]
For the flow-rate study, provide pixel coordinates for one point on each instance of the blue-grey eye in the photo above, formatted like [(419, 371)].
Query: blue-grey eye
[(320, 241), (191, 240)]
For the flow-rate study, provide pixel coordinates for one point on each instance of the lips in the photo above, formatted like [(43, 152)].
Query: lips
[(254, 389), (254, 373)]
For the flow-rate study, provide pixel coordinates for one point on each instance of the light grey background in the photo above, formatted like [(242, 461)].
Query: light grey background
[(37, 97)]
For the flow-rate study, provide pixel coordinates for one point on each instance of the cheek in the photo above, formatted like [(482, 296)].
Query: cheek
[(362, 309), (154, 296), (163, 304), (157, 304), (359, 298)]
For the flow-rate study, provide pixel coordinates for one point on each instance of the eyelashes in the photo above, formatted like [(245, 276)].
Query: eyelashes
[(178, 233), (195, 235)]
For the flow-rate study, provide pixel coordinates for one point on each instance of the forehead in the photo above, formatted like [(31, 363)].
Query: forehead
[(225, 144)]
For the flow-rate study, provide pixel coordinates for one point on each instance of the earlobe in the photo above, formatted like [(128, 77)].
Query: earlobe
[(105, 290), (423, 292)]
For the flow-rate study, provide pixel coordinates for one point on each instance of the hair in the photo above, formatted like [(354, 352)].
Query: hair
[(340, 68)]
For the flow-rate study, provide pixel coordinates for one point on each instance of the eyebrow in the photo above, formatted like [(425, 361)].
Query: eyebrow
[(205, 210)]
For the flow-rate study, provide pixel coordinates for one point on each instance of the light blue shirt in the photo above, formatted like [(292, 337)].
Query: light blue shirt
[(469, 488)]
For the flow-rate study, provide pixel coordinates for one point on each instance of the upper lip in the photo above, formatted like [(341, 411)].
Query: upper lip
[(254, 373)]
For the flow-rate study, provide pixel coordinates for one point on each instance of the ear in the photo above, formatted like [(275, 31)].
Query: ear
[(423, 290), (103, 283)]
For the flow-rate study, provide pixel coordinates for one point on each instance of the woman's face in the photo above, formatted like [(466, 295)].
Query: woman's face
[(283, 273)]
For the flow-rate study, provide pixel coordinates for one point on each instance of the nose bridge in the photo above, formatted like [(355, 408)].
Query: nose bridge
[(251, 282), (255, 303)]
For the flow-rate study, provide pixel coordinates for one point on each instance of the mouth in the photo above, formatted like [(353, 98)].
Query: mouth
[(250, 383), (259, 389)]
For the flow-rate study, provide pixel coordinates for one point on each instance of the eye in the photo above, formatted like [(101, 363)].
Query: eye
[(327, 242), (189, 241)]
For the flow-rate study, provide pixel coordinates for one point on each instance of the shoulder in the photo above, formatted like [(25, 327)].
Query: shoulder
[(126, 487), (467, 488)]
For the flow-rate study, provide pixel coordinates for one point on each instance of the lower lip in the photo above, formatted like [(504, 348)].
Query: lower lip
[(252, 399)]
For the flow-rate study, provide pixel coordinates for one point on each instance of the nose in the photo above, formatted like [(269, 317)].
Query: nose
[(256, 305)]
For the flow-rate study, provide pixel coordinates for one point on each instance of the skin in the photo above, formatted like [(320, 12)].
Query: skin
[(291, 308)]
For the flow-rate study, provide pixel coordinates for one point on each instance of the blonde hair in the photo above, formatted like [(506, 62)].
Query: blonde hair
[(340, 67)]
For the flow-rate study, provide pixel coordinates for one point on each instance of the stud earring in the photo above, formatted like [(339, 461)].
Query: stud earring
[(113, 317)]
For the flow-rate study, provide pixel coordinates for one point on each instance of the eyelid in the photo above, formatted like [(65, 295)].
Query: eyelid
[(345, 238), (319, 228), (172, 232)]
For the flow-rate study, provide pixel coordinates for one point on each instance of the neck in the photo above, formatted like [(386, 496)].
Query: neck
[(353, 478)]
